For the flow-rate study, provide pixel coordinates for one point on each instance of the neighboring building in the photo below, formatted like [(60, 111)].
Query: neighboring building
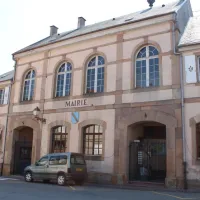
[(109, 90), (5, 88), (189, 47)]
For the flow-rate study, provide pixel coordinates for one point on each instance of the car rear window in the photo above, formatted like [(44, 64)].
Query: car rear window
[(77, 160)]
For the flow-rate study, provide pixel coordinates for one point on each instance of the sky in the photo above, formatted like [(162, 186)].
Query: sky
[(23, 22)]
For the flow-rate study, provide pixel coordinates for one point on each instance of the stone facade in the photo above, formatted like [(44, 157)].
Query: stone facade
[(120, 105)]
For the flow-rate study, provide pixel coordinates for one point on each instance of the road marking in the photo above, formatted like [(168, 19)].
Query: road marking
[(6, 179), (72, 188), (169, 195)]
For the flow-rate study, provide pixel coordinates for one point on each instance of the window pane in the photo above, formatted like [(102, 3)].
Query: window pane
[(154, 77), (90, 80), (101, 60), (43, 161), (60, 85), (63, 160), (69, 66), (92, 62), (26, 90), (59, 139), (79, 160), (28, 76), (91, 129), (142, 53), (32, 89), (62, 68), (100, 79), (153, 51), (1, 96), (96, 129), (68, 84)]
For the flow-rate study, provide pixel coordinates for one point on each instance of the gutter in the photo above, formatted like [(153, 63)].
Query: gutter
[(6, 130), (182, 105)]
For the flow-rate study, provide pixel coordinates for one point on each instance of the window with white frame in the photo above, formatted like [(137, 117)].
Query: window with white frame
[(147, 67), (29, 84), (95, 75), (1, 96), (63, 84)]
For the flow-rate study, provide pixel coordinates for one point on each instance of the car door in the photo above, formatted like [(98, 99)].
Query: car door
[(57, 163), (78, 167), (39, 170), (52, 169)]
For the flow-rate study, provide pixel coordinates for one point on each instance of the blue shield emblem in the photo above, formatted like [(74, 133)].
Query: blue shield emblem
[(75, 117)]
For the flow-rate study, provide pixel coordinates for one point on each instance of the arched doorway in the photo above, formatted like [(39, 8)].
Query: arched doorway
[(147, 152), (23, 139)]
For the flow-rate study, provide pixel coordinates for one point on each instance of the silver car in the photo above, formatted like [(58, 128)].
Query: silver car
[(60, 167)]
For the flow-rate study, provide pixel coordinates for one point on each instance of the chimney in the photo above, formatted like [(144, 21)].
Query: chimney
[(53, 30), (151, 2), (81, 22)]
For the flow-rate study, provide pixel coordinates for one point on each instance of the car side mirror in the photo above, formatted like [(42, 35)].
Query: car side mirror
[(36, 163)]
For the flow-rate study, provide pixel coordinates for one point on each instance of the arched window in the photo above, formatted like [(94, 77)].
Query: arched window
[(93, 140), (59, 139), (95, 75), (147, 67), (64, 75), (29, 84)]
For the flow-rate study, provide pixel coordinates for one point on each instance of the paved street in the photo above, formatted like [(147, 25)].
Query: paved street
[(19, 190)]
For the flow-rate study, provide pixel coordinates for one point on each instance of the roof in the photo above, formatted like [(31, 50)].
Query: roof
[(192, 32), (7, 76), (126, 19)]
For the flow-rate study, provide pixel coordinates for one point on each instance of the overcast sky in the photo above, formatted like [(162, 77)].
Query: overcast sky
[(23, 22)]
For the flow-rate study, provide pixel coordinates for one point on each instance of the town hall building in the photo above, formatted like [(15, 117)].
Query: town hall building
[(111, 91)]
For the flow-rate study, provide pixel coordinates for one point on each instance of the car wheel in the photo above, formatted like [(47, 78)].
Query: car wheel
[(28, 177), (61, 180)]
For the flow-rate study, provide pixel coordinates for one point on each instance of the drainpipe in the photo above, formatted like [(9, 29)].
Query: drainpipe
[(182, 106), (6, 130)]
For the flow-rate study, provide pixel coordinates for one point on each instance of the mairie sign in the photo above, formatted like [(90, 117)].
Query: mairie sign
[(76, 103), (75, 117)]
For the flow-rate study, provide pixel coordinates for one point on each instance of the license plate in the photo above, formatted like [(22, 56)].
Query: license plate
[(79, 170)]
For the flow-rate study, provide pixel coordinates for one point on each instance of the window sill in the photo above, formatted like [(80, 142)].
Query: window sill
[(94, 158), (27, 102), (62, 98), (94, 94), (151, 88)]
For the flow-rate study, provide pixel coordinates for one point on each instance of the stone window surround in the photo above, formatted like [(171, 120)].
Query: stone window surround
[(81, 126), (22, 86), (55, 74), (138, 47), (193, 122)]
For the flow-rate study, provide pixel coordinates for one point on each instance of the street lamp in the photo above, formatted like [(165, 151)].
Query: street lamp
[(36, 113)]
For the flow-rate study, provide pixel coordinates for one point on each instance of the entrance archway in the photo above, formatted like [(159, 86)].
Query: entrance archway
[(23, 141), (147, 152), (125, 117)]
